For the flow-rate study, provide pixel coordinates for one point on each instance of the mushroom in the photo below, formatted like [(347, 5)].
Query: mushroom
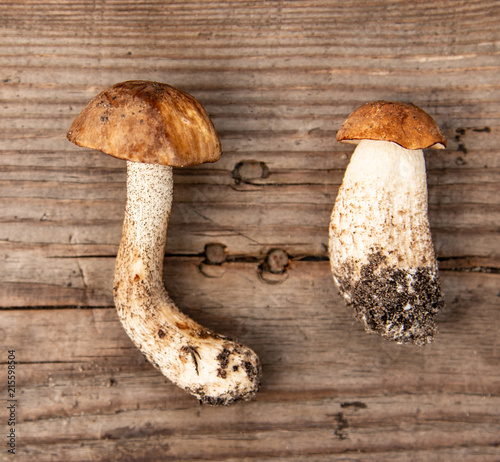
[(381, 251), (156, 127)]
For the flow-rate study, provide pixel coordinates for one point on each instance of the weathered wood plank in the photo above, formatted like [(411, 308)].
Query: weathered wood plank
[(327, 388), (278, 78), (199, 208), (82, 275), (283, 328), (262, 444), (292, 216)]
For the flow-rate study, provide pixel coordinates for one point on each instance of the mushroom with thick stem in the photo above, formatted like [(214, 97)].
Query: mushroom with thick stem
[(154, 127), (381, 251)]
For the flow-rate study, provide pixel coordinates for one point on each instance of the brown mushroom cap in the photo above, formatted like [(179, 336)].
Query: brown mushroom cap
[(401, 123), (147, 122)]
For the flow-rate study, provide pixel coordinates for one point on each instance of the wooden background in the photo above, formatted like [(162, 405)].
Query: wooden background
[(278, 78)]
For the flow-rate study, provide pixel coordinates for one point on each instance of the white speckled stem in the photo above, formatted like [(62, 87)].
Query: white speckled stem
[(213, 368), (381, 251), (382, 204)]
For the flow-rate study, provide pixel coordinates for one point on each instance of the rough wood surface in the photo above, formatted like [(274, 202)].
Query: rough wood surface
[(278, 78)]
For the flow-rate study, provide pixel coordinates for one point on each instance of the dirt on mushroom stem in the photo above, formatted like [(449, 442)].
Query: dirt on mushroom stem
[(210, 366), (398, 304)]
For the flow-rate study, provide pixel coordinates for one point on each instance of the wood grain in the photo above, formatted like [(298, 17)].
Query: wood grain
[(278, 78)]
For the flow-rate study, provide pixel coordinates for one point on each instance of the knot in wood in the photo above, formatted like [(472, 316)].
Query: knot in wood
[(277, 261), (215, 254), (274, 268), (248, 170)]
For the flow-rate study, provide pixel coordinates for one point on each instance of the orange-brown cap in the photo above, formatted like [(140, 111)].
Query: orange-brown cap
[(147, 122), (401, 123)]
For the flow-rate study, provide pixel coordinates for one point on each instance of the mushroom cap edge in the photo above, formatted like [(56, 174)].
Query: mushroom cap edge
[(149, 122), (402, 123)]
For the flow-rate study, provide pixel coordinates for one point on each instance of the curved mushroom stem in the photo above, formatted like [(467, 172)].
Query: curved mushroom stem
[(381, 251), (215, 369)]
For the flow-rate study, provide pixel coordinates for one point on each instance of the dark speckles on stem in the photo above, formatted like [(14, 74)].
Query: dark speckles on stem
[(217, 400), (161, 334), (398, 304), (223, 359), (203, 334), (252, 369), (214, 401), (253, 372), (226, 399)]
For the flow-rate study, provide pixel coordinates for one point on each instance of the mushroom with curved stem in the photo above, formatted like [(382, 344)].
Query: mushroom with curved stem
[(381, 251), (154, 127)]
